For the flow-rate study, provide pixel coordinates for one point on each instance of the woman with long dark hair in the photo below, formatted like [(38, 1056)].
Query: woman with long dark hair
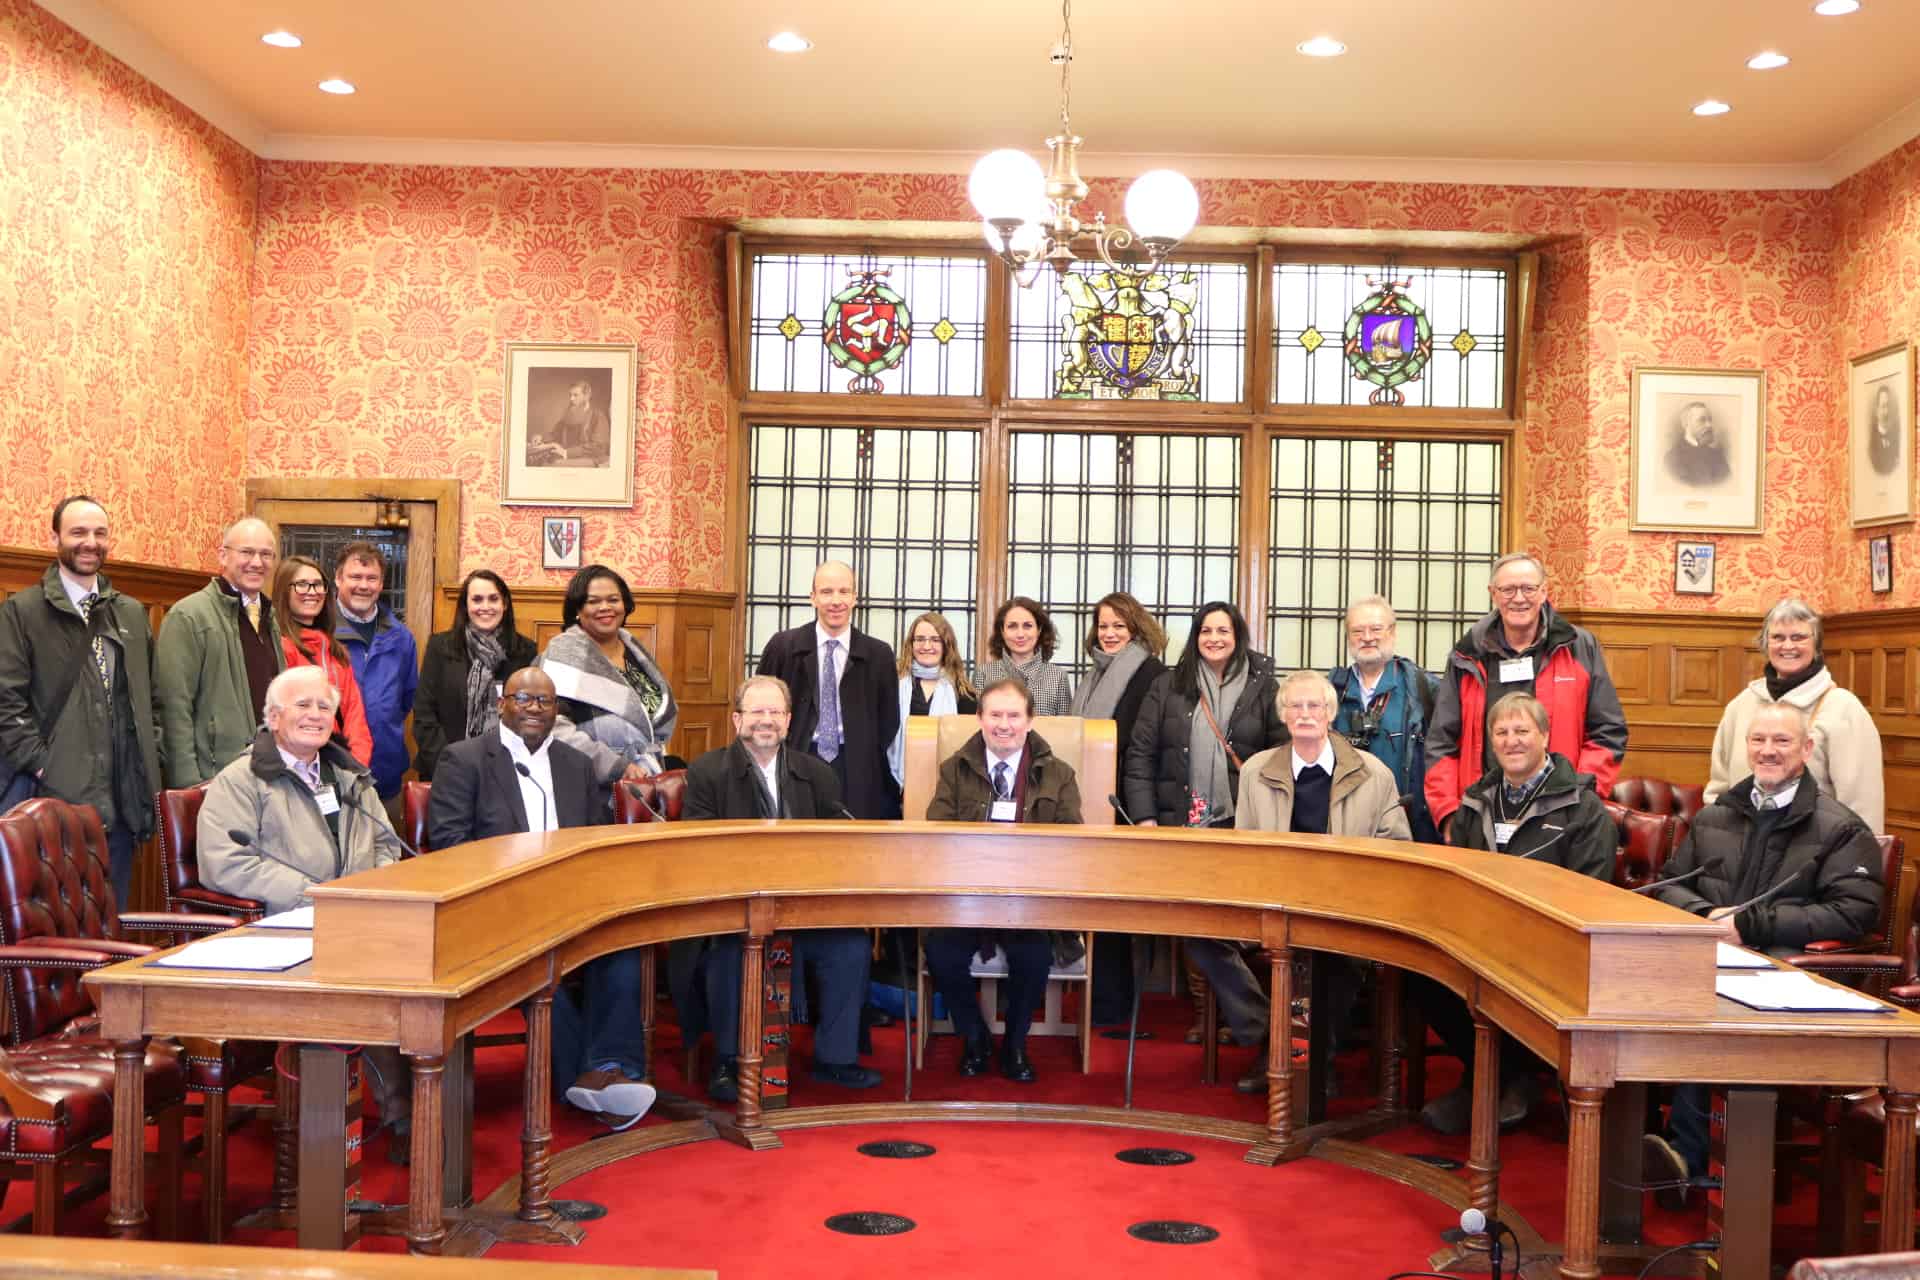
[(303, 601), (466, 667)]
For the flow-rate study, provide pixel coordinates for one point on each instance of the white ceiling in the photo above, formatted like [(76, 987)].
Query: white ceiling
[(1474, 89)]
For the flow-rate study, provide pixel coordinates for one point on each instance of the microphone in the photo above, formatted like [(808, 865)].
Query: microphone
[(1474, 1223), (1121, 809), (1769, 895), (1661, 884), (633, 789), (546, 805), (845, 812)]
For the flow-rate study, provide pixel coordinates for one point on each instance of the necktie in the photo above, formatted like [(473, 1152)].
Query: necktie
[(253, 613), (1000, 789), (827, 736), (98, 645), (309, 773), (1766, 802)]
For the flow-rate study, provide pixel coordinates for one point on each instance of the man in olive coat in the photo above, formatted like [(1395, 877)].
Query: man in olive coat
[(77, 709)]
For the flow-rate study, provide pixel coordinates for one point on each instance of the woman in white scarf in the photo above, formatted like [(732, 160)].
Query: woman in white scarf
[(932, 681), (615, 703)]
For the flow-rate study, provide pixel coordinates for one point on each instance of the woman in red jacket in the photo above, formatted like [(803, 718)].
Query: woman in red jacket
[(304, 597)]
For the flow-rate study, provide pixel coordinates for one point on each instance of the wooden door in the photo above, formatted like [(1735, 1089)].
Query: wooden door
[(305, 525)]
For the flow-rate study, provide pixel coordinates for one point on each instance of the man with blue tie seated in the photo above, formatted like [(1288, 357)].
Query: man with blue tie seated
[(759, 777), (520, 779), (1004, 773)]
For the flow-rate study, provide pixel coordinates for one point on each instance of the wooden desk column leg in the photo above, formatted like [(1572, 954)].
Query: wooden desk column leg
[(649, 1007), (536, 1136), (1273, 1148), (1483, 1155), (747, 1128), (1896, 1174), (1388, 1033), (127, 1212), (426, 1227), (1581, 1260)]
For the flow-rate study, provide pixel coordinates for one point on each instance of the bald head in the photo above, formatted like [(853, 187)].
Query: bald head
[(834, 596), (246, 555), (1778, 745)]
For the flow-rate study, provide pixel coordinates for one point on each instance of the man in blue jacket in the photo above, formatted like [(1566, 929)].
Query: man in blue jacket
[(385, 662), (1385, 703)]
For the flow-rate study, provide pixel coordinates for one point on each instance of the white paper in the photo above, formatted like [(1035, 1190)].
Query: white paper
[(258, 953), (1731, 957), (1790, 990), (301, 918)]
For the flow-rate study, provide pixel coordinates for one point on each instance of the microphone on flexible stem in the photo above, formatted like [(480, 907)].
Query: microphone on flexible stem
[(546, 804), (1769, 895), (845, 812), (1474, 1223), (1661, 884), (1121, 809), (633, 789)]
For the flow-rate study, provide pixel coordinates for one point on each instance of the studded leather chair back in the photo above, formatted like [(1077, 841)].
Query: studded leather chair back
[(665, 792), (1645, 841), (1657, 795), (416, 799), (53, 884), (178, 814)]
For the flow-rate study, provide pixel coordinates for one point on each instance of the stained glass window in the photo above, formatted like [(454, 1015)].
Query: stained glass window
[(900, 505), (1154, 515), (320, 543), (1318, 341), (1416, 522), (1178, 334), (868, 324)]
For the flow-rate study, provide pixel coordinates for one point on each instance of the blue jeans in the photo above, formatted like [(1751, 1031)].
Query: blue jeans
[(603, 1029)]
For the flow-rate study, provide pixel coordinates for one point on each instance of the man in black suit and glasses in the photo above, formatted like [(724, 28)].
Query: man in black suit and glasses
[(759, 777), (520, 779)]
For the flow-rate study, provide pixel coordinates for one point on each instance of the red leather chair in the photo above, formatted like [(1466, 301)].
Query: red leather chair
[(1657, 795), (1645, 841), (1873, 962), (415, 800), (178, 814)]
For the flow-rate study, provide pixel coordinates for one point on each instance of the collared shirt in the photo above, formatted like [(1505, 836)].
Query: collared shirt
[(1013, 768), (1360, 681), (109, 653), (820, 638), (1324, 759), (1781, 798), (244, 597), (75, 591), (770, 774), (536, 785), (308, 771), (1516, 796)]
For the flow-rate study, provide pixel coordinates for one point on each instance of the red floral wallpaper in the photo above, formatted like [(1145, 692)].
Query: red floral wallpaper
[(126, 230), (1876, 290)]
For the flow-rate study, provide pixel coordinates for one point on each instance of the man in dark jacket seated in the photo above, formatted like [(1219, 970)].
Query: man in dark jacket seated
[(759, 777), (1004, 773), (1531, 805), (1773, 831)]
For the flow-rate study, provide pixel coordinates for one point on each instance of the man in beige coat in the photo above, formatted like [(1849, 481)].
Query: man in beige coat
[(1316, 783)]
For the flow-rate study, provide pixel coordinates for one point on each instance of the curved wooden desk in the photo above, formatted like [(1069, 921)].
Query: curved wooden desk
[(1605, 985)]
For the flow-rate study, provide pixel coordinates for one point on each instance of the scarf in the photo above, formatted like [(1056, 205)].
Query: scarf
[(485, 655), (1778, 686), (940, 703), (921, 671), (1100, 693), (1209, 772), (582, 673)]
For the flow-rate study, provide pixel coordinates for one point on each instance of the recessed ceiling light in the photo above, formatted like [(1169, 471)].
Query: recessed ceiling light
[(281, 39), (1711, 107), (1321, 47), (1767, 61), (336, 86), (1835, 8), (789, 42)]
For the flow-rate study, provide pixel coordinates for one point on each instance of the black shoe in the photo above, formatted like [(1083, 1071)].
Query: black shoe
[(976, 1056), (1665, 1170), (1014, 1065), (723, 1085), (849, 1076), (400, 1141)]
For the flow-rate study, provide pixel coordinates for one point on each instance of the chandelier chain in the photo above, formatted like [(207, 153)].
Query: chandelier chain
[(1066, 63)]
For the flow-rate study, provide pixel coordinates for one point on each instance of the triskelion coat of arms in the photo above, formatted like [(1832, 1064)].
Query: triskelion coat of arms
[(867, 328)]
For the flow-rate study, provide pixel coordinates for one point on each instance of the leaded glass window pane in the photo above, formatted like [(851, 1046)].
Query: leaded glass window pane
[(1465, 307), (901, 506), (1097, 334), (1416, 522), (1154, 515), (833, 322)]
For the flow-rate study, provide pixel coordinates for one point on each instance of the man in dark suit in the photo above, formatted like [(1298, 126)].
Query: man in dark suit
[(846, 698), (758, 777), (520, 779)]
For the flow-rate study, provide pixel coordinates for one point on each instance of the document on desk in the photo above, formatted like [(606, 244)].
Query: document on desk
[(255, 953), (1790, 991), (302, 918), (1731, 957)]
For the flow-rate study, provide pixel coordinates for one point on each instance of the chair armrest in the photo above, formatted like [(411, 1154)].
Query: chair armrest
[(100, 946), (1846, 962), (1907, 997), (53, 958), (177, 922), (1829, 946), (218, 901)]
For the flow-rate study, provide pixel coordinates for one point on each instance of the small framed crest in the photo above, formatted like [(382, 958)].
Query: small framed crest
[(1880, 435), (1693, 568), (1880, 564), (1697, 445), (560, 539)]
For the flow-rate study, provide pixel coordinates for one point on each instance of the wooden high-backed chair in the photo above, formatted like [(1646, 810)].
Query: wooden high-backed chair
[(1090, 746)]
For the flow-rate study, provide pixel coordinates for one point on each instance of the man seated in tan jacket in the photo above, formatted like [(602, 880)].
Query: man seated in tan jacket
[(1317, 783)]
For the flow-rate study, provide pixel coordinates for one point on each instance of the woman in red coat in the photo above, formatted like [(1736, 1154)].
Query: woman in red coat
[(304, 597)]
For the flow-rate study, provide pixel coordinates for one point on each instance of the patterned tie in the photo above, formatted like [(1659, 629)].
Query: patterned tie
[(310, 773), (827, 737), (99, 645), (1000, 789), (253, 613)]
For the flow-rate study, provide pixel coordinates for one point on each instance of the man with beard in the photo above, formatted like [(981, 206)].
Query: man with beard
[(1698, 457), (77, 711), (582, 436)]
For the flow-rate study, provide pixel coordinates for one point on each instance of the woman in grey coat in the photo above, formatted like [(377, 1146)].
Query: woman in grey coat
[(615, 703)]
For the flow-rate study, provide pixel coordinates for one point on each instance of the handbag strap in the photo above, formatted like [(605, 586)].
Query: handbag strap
[(1201, 697)]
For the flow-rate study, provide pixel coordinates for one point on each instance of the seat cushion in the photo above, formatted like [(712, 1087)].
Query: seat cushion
[(215, 1066), (75, 1075)]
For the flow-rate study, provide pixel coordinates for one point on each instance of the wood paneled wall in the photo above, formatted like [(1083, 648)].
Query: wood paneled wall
[(1877, 655)]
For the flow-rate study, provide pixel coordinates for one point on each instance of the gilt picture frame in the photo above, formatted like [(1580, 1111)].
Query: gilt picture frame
[(568, 438), (1697, 447)]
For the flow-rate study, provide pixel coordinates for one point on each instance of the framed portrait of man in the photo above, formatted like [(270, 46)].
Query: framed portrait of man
[(1697, 449), (1880, 435), (568, 436)]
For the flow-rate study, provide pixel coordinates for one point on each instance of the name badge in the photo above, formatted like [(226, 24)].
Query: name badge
[(1513, 670), (1503, 832), (329, 803), (1003, 811)]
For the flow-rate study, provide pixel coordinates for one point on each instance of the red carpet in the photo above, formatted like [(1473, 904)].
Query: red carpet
[(1023, 1199)]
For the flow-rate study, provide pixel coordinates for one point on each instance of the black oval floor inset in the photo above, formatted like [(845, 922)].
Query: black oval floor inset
[(1122, 1035), (579, 1210), (895, 1150), (1438, 1162), (1154, 1155), (1172, 1232), (868, 1223)]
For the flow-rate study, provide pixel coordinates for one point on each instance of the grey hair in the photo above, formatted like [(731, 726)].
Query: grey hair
[(1519, 704), (292, 675), (1314, 678), (1518, 557), (1802, 722), (1793, 609), (1373, 602), (740, 694)]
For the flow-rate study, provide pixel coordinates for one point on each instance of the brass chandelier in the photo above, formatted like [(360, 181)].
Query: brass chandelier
[(1031, 219)]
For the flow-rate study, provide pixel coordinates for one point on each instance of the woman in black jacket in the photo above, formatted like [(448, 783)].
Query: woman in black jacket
[(1124, 645), (1198, 722), (458, 697)]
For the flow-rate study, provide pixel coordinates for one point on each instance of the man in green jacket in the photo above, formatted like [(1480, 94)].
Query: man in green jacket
[(218, 650), (76, 688)]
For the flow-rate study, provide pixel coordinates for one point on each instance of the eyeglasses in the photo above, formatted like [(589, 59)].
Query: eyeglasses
[(531, 701), (252, 553), (1316, 705), (313, 587), (1525, 591)]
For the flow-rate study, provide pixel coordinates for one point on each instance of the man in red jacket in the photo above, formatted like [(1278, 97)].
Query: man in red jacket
[(1522, 646)]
